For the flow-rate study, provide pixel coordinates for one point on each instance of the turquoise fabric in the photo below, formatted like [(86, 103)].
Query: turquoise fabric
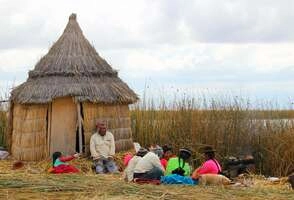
[(177, 179), (58, 162)]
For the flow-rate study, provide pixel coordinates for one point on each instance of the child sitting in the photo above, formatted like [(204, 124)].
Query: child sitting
[(60, 165)]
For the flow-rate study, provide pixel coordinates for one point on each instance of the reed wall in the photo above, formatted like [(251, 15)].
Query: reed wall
[(29, 135), (118, 121)]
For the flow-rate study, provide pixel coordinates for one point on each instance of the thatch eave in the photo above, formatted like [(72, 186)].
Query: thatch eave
[(105, 90), (39, 74)]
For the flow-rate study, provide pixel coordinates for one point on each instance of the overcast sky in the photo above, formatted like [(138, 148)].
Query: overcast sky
[(238, 47)]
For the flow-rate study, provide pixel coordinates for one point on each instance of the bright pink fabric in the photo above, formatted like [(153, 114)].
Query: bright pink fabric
[(127, 158), (209, 167)]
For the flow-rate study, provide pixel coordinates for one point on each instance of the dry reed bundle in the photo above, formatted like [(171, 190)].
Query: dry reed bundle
[(24, 184), (89, 187)]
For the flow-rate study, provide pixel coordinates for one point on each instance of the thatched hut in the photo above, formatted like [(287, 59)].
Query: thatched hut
[(70, 88)]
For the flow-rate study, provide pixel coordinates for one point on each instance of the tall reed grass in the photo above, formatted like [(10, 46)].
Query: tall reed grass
[(3, 125), (230, 125), (4, 96)]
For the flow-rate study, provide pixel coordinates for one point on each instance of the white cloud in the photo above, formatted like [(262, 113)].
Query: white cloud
[(221, 45), (12, 60), (204, 57)]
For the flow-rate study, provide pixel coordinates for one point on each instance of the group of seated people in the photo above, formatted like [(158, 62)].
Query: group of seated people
[(159, 163), (152, 163)]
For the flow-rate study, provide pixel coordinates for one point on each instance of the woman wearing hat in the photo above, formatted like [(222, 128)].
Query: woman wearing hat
[(149, 167), (128, 174), (179, 165), (210, 166)]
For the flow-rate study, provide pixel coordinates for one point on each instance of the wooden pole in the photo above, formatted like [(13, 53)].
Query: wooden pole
[(80, 127), (49, 129)]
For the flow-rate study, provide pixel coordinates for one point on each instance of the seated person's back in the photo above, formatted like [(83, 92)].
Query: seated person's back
[(149, 167), (175, 163), (129, 171), (148, 161)]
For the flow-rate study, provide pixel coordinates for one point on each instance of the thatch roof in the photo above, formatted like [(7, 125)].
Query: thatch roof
[(72, 67)]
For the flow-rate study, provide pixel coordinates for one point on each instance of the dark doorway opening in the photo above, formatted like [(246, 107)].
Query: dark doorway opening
[(78, 134), (78, 140)]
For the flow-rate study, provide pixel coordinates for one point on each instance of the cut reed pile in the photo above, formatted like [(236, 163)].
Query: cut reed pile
[(33, 182)]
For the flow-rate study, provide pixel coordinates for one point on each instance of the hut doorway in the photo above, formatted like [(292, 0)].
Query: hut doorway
[(63, 126), (80, 136), (78, 141)]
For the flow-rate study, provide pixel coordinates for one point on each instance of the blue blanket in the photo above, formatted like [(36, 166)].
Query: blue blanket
[(177, 179)]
